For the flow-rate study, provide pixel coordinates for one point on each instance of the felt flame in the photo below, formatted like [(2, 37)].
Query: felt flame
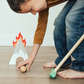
[(17, 39)]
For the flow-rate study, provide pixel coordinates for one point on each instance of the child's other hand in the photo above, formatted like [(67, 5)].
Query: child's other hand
[(28, 62)]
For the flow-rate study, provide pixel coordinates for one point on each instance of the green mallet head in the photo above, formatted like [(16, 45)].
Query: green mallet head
[(52, 73)]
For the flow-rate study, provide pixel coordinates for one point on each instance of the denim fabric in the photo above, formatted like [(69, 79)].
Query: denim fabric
[(69, 27)]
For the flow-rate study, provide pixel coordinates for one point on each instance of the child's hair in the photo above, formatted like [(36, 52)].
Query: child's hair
[(15, 4)]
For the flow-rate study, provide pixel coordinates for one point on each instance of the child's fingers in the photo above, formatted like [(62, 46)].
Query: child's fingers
[(20, 64), (29, 65)]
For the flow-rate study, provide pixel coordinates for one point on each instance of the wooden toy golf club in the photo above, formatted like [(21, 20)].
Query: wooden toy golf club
[(54, 71)]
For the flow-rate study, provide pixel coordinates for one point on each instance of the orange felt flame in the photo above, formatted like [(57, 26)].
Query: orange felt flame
[(17, 39)]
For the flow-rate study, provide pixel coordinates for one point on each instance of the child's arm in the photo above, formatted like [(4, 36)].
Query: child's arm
[(41, 26), (38, 38), (30, 60)]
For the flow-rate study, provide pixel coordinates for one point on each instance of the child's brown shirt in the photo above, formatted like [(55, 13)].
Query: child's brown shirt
[(42, 21)]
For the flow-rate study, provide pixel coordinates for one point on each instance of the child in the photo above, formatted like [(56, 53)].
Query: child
[(69, 26)]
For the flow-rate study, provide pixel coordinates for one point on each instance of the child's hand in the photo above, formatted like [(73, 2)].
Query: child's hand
[(28, 62)]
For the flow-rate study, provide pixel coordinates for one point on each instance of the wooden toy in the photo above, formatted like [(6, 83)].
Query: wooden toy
[(19, 51), (23, 69), (54, 71)]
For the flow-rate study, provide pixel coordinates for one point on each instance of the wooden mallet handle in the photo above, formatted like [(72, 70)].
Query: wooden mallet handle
[(69, 53)]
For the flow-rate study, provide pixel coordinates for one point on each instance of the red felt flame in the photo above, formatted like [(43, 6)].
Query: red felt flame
[(17, 39)]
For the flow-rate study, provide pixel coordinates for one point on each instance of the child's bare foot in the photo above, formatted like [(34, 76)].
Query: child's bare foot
[(71, 74), (52, 65)]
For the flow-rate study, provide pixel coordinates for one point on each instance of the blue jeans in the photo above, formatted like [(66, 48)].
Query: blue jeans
[(69, 27)]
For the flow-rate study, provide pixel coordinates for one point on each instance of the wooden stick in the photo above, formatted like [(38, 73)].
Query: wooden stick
[(69, 53)]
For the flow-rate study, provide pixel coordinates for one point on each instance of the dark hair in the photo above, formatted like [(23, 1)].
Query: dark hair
[(15, 4)]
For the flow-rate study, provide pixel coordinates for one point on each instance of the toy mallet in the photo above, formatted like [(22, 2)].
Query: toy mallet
[(54, 71)]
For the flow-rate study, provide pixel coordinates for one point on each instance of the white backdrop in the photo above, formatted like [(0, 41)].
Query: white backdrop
[(12, 23)]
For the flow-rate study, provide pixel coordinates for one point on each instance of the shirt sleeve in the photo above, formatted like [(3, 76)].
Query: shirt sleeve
[(41, 26)]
